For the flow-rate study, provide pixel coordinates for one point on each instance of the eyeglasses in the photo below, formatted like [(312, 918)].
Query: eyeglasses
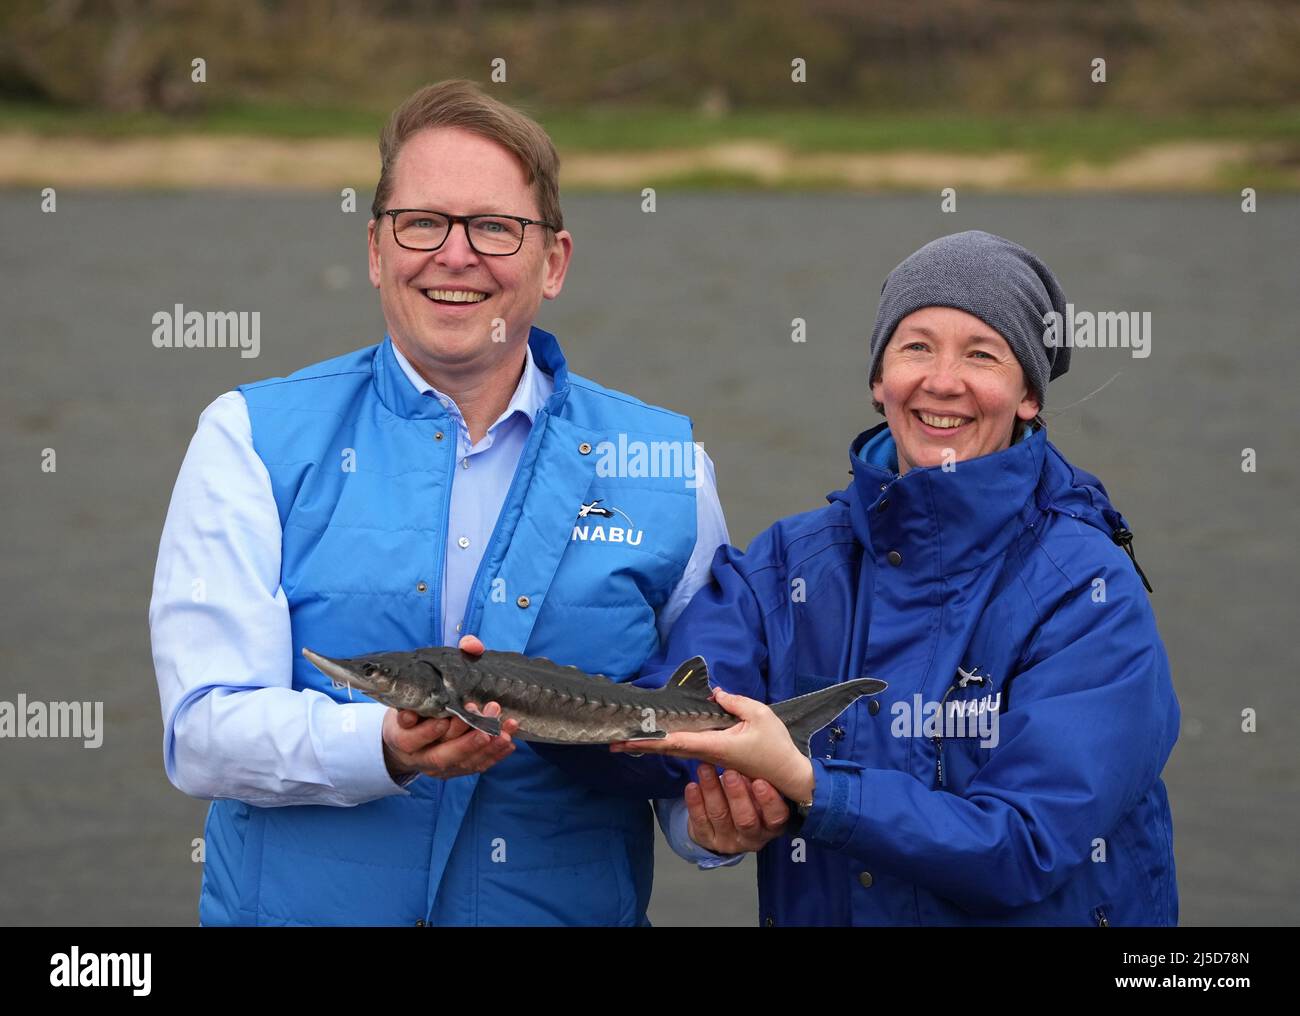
[(493, 235)]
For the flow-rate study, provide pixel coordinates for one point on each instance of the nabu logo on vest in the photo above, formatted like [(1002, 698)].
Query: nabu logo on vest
[(591, 527)]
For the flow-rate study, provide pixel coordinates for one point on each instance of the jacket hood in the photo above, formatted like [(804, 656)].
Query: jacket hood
[(951, 520)]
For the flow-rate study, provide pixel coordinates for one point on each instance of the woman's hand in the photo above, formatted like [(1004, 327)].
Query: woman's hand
[(758, 746), (733, 815)]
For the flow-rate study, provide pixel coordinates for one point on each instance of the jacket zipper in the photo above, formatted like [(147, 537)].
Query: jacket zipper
[(943, 705), (437, 582), (496, 531)]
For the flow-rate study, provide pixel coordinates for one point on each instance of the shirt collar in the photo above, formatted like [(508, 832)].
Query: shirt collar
[(534, 388)]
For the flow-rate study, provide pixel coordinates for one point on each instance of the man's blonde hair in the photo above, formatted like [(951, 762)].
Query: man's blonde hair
[(463, 104)]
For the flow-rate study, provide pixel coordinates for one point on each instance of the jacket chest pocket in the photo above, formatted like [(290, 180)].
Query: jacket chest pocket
[(965, 730)]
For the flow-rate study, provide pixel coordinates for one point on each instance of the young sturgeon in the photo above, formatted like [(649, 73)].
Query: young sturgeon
[(564, 705)]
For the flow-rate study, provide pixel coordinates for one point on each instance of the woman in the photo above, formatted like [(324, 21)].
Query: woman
[(1010, 773)]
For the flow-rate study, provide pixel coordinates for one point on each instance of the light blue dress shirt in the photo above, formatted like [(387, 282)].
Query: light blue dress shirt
[(219, 621)]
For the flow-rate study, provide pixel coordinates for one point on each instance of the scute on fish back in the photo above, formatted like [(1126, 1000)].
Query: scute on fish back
[(562, 704)]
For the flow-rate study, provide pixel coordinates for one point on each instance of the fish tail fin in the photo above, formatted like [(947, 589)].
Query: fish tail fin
[(805, 715)]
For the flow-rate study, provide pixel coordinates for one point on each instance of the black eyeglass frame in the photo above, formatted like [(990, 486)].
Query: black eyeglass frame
[(393, 213)]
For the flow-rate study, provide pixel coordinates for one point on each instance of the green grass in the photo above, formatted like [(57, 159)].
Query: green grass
[(1054, 138)]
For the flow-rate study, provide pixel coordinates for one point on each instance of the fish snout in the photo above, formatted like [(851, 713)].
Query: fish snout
[(361, 674)]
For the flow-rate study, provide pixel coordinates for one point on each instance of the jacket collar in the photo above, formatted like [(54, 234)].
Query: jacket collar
[(944, 522), (400, 394)]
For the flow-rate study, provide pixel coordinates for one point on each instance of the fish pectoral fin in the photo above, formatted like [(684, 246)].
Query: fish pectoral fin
[(653, 735), (490, 725), (691, 679)]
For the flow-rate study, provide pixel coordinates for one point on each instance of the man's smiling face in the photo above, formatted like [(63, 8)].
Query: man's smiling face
[(453, 310)]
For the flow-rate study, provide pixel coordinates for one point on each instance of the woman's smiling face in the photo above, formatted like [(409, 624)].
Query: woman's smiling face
[(951, 387)]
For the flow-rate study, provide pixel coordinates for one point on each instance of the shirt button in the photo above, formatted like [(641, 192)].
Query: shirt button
[(770, 922), (420, 923), (523, 601), (866, 879), (873, 706), (464, 463), (894, 558), (463, 542), (420, 587), (457, 626)]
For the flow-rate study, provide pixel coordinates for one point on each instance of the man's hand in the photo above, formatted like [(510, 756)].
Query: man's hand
[(733, 815), (444, 748)]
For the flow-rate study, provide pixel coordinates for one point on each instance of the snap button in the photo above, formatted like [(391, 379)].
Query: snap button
[(438, 436), (894, 557), (584, 449), (420, 587), (523, 601), (420, 923), (884, 503), (883, 486), (769, 923), (866, 879), (873, 706)]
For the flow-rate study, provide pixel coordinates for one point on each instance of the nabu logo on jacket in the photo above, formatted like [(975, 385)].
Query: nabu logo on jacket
[(591, 527)]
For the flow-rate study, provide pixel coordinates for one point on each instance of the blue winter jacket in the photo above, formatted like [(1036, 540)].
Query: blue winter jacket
[(1010, 773)]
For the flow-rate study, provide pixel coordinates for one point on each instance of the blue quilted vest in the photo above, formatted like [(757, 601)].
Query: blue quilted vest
[(362, 571)]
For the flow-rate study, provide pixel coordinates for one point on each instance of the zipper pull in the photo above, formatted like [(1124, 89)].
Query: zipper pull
[(938, 762), (1124, 538)]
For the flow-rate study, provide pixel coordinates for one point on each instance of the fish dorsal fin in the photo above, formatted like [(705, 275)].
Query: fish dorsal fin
[(691, 679)]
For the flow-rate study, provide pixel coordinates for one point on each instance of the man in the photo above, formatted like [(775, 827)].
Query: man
[(403, 495)]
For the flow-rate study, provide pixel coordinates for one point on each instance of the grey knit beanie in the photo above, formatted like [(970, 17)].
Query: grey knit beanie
[(1001, 283)]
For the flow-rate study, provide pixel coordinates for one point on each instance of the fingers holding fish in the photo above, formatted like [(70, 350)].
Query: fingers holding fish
[(472, 752), (426, 731), (402, 737), (472, 644), (441, 747), (758, 746)]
